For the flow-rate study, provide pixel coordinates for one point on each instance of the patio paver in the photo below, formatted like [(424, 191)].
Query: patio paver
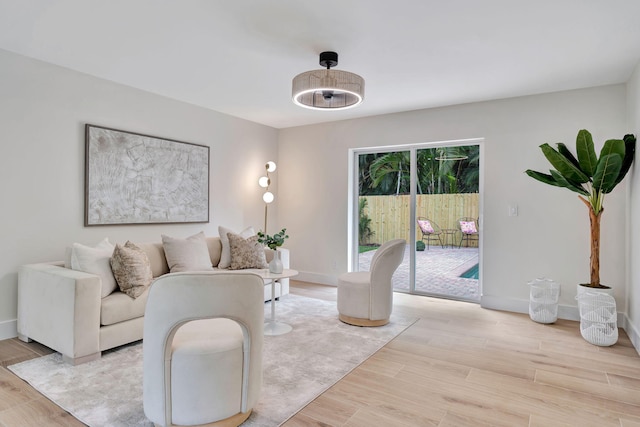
[(438, 272)]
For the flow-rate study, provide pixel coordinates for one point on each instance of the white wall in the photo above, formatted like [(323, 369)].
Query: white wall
[(43, 110), (633, 296), (550, 237)]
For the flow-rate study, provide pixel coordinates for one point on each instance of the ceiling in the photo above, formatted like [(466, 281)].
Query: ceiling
[(239, 56)]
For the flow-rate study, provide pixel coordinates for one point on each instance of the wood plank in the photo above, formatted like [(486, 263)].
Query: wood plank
[(459, 365), (324, 411), (38, 413)]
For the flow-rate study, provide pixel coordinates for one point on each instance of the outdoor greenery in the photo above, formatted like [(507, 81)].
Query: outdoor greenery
[(364, 223), (420, 245), (442, 170), (589, 176)]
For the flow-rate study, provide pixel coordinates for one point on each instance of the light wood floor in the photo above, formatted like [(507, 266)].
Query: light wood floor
[(458, 365)]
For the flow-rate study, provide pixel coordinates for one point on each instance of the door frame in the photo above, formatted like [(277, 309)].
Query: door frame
[(353, 194)]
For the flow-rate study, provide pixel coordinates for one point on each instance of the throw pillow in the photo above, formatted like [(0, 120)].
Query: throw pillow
[(95, 260), (132, 269), (190, 254), (425, 226), (246, 253), (468, 227), (225, 255)]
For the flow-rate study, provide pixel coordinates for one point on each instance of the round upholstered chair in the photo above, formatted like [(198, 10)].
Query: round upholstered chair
[(365, 298), (202, 348)]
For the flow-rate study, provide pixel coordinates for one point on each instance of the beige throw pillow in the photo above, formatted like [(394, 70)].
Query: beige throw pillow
[(190, 254), (95, 260), (225, 255), (246, 253), (132, 269)]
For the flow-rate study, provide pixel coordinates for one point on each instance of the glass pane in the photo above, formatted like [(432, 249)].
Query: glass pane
[(447, 213), (383, 207)]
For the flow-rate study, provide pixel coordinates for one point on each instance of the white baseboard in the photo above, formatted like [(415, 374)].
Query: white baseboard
[(323, 279), (633, 333), (8, 329)]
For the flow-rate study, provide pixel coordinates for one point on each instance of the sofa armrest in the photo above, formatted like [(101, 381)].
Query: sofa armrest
[(60, 308)]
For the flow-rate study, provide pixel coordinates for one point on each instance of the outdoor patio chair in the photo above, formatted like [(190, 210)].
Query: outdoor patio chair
[(430, 231), (468, 228)]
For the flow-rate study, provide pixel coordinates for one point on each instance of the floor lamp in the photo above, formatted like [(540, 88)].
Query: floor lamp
[(268, 196)]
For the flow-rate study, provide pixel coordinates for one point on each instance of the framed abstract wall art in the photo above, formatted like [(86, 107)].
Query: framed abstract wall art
[(132, 178)]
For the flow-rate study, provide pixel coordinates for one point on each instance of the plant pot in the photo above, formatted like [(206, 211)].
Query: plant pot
[(598, 315), (543, 300), (275, 265)]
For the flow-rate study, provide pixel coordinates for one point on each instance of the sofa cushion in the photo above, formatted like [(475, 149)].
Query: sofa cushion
[(225, 255), (95, 260), (119, 307), (215, 249), (246, 253), (157, 258), (131, 268), (190, 254)]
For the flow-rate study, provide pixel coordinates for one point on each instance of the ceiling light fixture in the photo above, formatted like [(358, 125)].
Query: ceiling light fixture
[(328, 89)]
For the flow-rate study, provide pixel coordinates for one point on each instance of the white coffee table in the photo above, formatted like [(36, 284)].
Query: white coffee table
[(271, 327)]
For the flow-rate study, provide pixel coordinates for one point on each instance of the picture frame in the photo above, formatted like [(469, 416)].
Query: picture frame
[(132, 178)]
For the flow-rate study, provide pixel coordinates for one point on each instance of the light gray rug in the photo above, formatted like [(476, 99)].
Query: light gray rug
[(298, 366)]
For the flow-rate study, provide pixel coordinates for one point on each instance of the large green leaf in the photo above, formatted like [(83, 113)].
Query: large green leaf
[(586, 152), (542, 177), (609, 166), (629, 152), (561, 180), (613, 146), (562, 149), (563, 165)]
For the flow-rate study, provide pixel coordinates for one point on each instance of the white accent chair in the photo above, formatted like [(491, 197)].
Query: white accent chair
[(365, 298), (202, 348)]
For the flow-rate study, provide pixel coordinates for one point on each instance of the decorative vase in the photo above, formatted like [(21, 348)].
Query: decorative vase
[(275, 265)]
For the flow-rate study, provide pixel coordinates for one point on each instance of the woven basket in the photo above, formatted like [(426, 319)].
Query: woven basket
[(543, 300), (598, 318)]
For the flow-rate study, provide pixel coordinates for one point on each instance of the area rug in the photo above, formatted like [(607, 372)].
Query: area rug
[(298, 367)]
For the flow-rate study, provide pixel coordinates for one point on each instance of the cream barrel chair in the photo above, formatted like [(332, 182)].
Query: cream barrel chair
[(202, 348), (365, 298)]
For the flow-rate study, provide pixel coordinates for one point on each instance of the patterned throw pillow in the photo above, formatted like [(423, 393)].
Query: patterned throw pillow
[(132, 269), (468, 227), (225, 255), (425, 226), (246, 253)]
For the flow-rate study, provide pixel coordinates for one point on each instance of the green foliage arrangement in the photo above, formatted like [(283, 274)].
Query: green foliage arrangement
[(275, 241), (591, 177), (364, 223), (420, 245)]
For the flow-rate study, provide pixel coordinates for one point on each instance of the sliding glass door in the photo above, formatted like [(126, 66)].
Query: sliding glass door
[(428, 195)]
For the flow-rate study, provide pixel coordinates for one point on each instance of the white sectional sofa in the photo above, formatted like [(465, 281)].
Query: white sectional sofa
[(63, 309)]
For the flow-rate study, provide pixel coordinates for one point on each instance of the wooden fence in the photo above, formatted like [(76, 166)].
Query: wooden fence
[(390, 214)]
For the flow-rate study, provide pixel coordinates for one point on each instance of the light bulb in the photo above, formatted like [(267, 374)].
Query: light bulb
[(264, 181), (268, 197), (271, 166)]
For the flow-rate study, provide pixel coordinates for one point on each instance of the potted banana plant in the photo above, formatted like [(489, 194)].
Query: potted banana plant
[(590, 176)]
